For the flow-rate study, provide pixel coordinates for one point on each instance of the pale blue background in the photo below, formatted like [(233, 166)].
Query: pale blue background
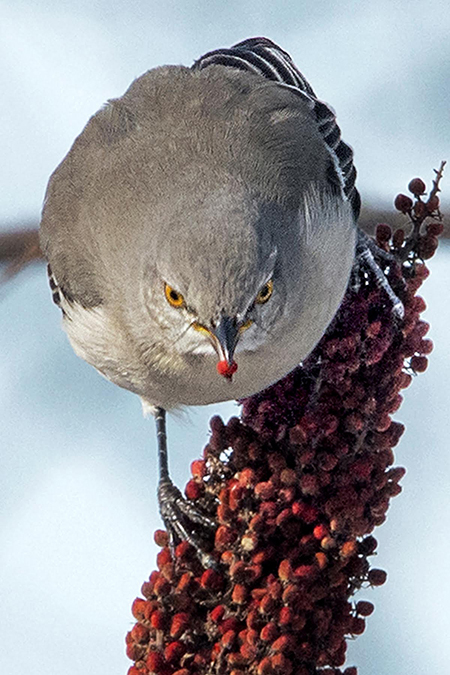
[(77, 484)]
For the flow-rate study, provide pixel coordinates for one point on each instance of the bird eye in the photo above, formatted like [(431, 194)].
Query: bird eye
[(173, 297), (264, 293), (245, 325)]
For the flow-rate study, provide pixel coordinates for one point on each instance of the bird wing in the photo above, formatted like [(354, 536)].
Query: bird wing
[(263, 57)]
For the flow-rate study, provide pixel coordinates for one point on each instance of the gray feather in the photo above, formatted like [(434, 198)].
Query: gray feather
[(196, 177)]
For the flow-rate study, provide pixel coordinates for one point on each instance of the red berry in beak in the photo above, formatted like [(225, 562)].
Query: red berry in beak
[(227, 369)]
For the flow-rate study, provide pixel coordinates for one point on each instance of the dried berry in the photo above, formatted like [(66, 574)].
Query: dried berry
[(417, 187), (433, 204), (403, 203), (364, 608), (376, 577), (420, 210), (383, 233), (435, 228)]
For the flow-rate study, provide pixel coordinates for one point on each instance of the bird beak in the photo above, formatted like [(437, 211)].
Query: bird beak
[(224, 338), (227, 334)]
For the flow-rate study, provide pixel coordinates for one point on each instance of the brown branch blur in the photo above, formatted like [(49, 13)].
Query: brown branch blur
[(18, 248)]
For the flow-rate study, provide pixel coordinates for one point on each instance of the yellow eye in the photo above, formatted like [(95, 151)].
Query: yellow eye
[(265, 293), (245, 325), (173, 297)]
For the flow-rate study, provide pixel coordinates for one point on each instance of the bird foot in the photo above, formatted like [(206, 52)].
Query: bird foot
[(185, 522), (371, 259)]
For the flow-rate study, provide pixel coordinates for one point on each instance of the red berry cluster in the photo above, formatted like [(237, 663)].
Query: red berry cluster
[(297, 486), (418, 244)]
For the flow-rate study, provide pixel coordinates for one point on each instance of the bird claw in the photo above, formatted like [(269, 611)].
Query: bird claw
[(368, 257), (180, 517)]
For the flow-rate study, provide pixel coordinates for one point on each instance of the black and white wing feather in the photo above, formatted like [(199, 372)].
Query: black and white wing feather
[(263, 57)]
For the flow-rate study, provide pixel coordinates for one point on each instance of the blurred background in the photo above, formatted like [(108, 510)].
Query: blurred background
[(78, 477)]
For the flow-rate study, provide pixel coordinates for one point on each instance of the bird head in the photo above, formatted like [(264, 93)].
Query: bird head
[(215, 281)]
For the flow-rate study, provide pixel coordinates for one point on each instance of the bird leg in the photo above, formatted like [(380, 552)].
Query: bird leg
[(371, 258), (179, 515)]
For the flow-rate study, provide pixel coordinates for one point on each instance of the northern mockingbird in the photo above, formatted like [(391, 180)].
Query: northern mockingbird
[(200, 235)]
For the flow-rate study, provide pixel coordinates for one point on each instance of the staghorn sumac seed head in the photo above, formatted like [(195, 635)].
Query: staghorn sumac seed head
[(306, 478)]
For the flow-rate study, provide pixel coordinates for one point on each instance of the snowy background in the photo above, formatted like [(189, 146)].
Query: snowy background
[(78, 462)]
